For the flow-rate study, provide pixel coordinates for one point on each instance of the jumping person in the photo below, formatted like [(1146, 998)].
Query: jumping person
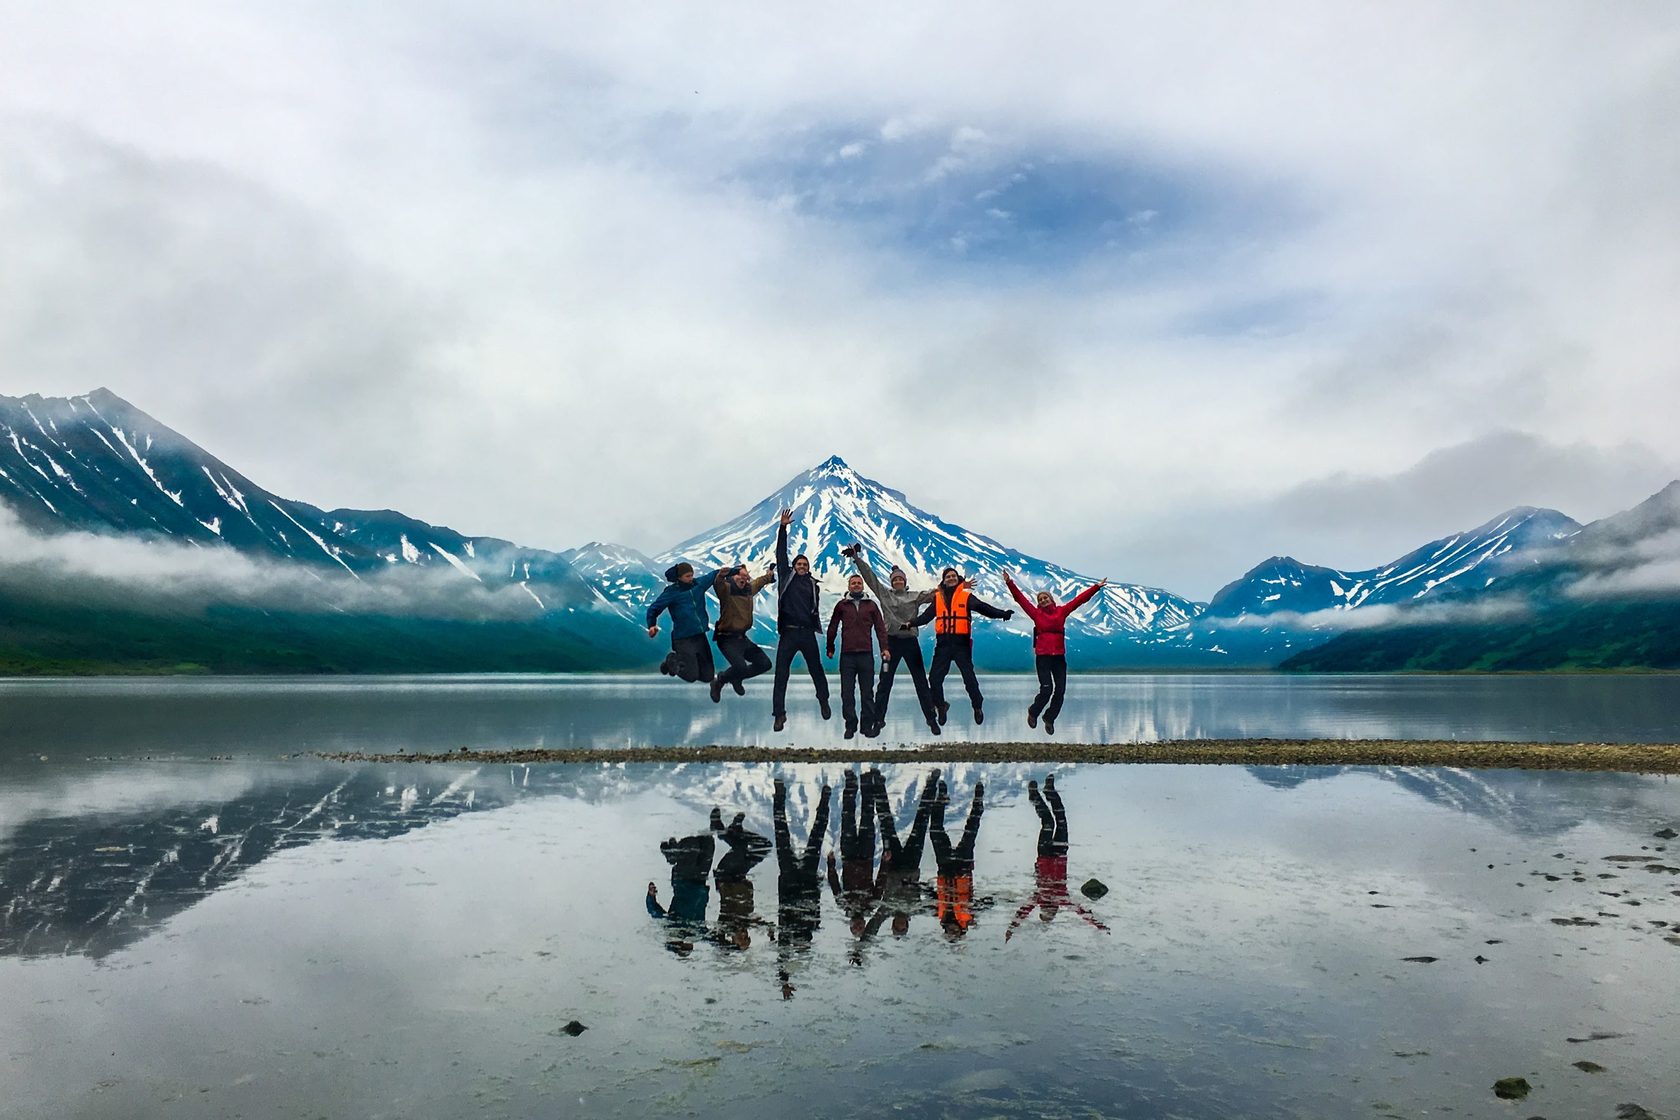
[(1050, 890), (862, 631), (901, 861), (797, 623), (1050, 648), (736, 590), (798, 890), (685, 597), (954, 884), (691, 865), (899, 605), (853, 882), (734, 887), (952, 614)]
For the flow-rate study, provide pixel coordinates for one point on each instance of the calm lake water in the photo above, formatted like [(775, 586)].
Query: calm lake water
[(193, 926)]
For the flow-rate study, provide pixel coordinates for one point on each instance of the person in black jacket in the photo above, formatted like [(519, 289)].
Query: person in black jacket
[(797, 625), (798, 887)]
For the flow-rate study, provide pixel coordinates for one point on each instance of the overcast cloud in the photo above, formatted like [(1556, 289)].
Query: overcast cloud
[(1155, 292)]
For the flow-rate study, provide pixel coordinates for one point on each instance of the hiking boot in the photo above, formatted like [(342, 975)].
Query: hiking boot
[(665, 668), (717, 690), (979, 714), (1049, 781), (781, 722), (943, 711), (1032, 718), (822, 705), (851, 733), (740, 689), (717, 819), (933, 726), (1049, 729)]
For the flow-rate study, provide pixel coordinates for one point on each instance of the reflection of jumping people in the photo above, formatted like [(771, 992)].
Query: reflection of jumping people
[(900, 605), (798, 888), (685, 597), (797, 622), (734, 887), (1050, 889), (954, 884), (1049, 648), (952, 614), (735, 592), (901, 862), (691, 865), (863, 631)]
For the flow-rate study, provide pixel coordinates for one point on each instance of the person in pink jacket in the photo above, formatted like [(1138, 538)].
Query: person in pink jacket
[(1050, 648)]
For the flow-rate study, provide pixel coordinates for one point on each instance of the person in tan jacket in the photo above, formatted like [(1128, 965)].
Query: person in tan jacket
[(736, 590)]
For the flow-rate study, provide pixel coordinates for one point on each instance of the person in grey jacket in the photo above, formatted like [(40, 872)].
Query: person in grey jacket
[(900, 605)]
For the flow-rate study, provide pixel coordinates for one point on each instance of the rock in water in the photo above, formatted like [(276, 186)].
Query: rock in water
[(1093, 889), (1421, 960), (1666, 834), (574, 1028), (1511, 1088), (1588, 1067), (1633, 1112)]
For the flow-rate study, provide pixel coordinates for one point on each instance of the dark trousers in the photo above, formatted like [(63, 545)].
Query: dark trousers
[(857, 822), (1052, 684), (801, 643), (857, 674), (798, 889), (958, 860), (690, 658), (1052, 822), (745, 659), (905, 856), (908, 649), (948, 650)]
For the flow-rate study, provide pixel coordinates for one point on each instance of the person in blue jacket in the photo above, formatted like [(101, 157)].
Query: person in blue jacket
[(684, 597)]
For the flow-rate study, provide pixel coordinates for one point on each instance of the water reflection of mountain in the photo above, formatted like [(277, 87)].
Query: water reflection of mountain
[(1526, 802), (96, 883)]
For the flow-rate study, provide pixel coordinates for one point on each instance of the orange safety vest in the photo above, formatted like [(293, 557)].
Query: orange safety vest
[(951, 616), (955, 895)]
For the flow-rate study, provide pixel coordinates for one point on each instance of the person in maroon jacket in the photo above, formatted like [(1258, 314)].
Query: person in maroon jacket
[(863, 631), (1050, 648)]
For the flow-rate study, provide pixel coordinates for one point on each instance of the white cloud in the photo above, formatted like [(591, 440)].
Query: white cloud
[(502, 268)]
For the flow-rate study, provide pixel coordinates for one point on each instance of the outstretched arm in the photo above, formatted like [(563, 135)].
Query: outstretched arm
[(763, 581), (980, 606), (1084, 596), (869, 578), (1020, 916), (927, 614), (1090, 917)]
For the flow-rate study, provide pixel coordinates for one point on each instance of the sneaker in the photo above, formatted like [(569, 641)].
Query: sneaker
[(979, 714), (1049, 729), (781, 722), (943, 711), (1032, 718), (740, 689), (717, 690), (822, 705)]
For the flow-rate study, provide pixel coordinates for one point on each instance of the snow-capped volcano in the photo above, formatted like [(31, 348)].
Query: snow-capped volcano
[(833, 506)]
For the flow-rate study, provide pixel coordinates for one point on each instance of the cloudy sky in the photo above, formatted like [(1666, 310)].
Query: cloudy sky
[(1153, 290)]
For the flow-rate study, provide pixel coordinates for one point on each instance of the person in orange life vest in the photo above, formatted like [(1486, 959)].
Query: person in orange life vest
[(862, 630), (1050, 890), (953, 890), (952, 614), (1049, 648)]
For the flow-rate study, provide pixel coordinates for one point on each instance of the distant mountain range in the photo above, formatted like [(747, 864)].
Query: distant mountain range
[(96, 464)]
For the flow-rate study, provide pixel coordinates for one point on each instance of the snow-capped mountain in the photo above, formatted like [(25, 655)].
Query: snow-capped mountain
[(98, 463), (834, 506), (1468, 563), (622, 576)]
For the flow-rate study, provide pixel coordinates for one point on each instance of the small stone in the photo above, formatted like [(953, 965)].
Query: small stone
[(574, 1028), (1587, 1067), (1421, 960), (1093, 889), (1481, 959), (1511, 1088), (1633, 1112), (1666, 834)]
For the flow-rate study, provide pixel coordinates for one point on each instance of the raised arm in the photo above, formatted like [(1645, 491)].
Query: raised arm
[(834, 877), (782, 565), (1090, 917), (1019, 598), (869, 578), (1020, 916), (763, 581), (1085, 596), (980, 606)]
